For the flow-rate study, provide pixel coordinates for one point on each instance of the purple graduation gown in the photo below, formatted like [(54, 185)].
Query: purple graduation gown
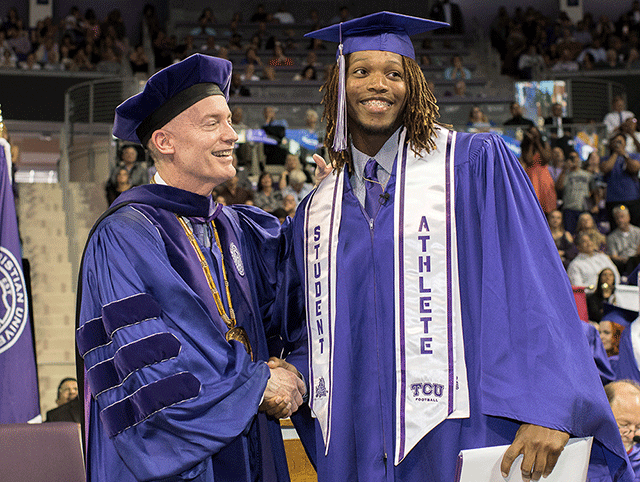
[(626, 366), (526, 354), (171, 399)]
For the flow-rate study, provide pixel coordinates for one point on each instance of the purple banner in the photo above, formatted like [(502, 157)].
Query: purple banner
[(19, 401)]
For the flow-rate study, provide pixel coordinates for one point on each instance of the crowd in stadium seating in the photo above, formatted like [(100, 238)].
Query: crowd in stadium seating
[(530, 42)]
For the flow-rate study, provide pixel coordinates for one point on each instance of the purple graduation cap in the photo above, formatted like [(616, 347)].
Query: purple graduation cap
[(621, 316), (169, 92), (385, 31)]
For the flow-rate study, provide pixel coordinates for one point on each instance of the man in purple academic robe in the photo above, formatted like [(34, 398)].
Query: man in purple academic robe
[(175, 303), (624, 397), (529, 375)]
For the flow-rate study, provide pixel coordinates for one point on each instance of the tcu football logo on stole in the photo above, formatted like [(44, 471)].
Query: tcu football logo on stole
[(13, 306)]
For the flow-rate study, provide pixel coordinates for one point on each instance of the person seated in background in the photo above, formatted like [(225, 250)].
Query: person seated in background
[(456, 70), (236, 88), (234, 193), (298, 185), (624, 398), (267, 197), (478, 121), (604, 293), (69, 407), (279, 58), (249, 74), (587, 224), (516, 116), (206, 23), (289, 204), (291, 163), (308, 73), (576, 185), (562, 237), (137, 170), (623, 242), (584, 269), (121, 185)]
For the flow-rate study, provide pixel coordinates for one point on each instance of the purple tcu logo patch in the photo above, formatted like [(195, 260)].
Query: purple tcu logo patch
[(321, 389), (427, 392)]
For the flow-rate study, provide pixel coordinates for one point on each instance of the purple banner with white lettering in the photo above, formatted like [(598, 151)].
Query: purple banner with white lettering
[(19, 400)]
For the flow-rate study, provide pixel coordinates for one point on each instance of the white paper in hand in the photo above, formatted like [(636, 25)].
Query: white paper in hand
[(483, 465)]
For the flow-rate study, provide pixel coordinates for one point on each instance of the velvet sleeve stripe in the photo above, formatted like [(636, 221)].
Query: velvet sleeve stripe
[(131, 357), (147, 401), (129, 311), (90, 336)]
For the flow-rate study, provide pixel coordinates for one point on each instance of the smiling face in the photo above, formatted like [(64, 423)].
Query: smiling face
[(199, 143), (376, 96)]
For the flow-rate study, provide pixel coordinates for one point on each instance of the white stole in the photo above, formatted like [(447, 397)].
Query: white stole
[(431, 378)]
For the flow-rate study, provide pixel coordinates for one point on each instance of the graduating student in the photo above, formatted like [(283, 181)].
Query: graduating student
[(176, 293), (439, 314)]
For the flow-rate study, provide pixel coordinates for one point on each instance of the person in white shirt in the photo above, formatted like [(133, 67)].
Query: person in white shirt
[(617, 116), (584, 269)]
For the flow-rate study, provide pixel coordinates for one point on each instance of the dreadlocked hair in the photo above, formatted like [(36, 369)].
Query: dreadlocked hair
[(419, 115)]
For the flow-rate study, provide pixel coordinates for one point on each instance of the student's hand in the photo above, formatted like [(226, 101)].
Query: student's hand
[(541, 447), (322, 169)]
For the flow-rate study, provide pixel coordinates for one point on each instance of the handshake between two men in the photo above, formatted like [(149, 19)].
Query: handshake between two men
[(285, 390)]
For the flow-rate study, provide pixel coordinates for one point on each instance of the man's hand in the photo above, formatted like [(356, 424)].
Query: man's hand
[(284, 391), (322, 169), (541, 447)]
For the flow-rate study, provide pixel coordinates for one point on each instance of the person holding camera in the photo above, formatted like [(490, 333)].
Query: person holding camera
[(621, 175)]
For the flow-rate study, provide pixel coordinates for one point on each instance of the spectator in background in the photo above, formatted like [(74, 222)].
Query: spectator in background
[(530, 63), (623, 242), (206, 23), (457, 70), (69, 407), (289, 204), (566, 62), (576, 186), (30, 63), (556, 166), (308, 73), (562, 237), (251, 57), (236, 88), (478, 121), (279, 58), (129, 160), (298, 185), (260, 15), (587, 224), (276, 129), (534, 158), (584, 269), (8, 61), (121, 185), (282, 15), (234, 193), (628, 128), (604, 293), (516, 116), (267, 197), (249, 74), (620, 171), (138, 60), (617, 116), (269, 73), (596, 50)]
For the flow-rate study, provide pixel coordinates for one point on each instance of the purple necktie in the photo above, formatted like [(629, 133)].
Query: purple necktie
[(373, 187)]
